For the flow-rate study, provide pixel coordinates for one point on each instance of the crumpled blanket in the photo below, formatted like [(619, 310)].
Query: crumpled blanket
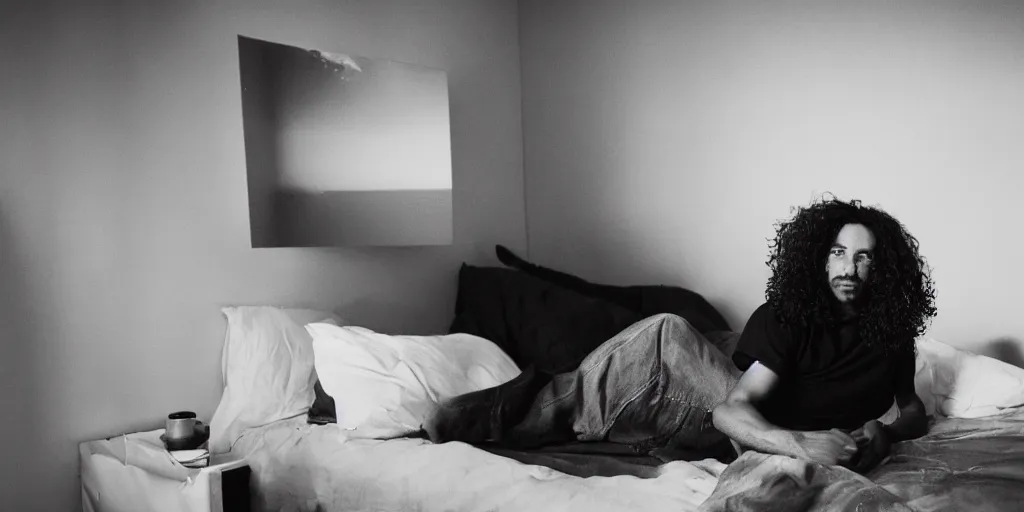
[(760, 482), (961, 464)]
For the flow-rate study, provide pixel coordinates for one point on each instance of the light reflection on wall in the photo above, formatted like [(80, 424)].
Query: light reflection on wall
[(344, 150)]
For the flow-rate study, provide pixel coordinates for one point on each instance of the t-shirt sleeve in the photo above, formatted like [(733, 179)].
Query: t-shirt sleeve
[(763, 340)]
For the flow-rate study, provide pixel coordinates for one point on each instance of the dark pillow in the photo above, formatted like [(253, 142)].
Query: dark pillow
[(647, 300), (535, 322), (683, 302)]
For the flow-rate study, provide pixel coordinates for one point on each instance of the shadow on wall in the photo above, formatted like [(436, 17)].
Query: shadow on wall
[(1007, 350), (20, 381)]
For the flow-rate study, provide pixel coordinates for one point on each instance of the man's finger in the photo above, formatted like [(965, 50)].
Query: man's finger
[(843, 436), (864, 464), (849, 445)]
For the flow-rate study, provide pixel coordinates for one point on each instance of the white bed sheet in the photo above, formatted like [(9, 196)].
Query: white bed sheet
[(299, 467)]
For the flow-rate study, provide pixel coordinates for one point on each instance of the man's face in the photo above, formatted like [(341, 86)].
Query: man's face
[(849, 262)]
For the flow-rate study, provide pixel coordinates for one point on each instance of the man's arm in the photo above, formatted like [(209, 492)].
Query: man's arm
[(739, 419), (912, 422)]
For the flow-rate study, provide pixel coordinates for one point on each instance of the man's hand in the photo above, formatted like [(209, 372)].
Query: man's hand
[(828, 447), (873, 445)]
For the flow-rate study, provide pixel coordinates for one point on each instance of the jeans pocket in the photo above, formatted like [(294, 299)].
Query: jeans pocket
[(690, 428), (648, 423), (694, 431), (673, 429)]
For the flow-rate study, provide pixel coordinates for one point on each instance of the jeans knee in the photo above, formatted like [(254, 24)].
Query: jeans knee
[(671, 320)]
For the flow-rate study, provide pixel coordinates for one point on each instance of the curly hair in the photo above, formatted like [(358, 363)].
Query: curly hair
[(901, 295)]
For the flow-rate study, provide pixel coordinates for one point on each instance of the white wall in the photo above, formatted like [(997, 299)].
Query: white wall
[(663, 140), (123, 206)]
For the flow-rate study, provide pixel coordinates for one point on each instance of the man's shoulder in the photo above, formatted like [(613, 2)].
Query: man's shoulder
[(767, 320), (764, 315), (766, 340)]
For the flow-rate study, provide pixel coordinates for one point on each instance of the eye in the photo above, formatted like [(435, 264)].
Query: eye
[(836, 252)]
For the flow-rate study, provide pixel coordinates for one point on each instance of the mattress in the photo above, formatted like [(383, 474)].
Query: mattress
[(300, 467)]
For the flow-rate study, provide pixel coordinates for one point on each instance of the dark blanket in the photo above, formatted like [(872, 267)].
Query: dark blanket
[(552, 320), (536, 323), (647, 300), (585, 459)]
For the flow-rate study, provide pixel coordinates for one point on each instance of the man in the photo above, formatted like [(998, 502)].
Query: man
[(834, 345), (826, 355)]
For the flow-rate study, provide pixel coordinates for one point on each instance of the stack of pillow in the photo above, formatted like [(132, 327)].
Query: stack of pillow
[(278, 361)]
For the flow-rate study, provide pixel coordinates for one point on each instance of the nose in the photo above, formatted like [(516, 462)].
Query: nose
[(849, 267)]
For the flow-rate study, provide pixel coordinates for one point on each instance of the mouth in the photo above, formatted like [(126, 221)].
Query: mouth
[(846, 286)]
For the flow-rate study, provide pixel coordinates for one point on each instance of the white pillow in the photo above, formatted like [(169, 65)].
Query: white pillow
[(267, 367), (385, 386), (957, 383)]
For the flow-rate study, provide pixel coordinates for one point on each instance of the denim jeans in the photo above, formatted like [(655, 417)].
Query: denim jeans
[(653, 387)]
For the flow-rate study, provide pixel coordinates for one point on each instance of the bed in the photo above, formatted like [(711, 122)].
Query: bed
[(962, 464), (371, 460)]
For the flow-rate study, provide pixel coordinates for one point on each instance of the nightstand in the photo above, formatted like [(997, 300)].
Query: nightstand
[(135, 473)]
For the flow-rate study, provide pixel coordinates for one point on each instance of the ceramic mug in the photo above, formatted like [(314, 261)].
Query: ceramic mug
[(180, 425)]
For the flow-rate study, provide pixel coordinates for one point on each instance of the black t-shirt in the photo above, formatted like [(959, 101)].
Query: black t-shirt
[(829, 378)]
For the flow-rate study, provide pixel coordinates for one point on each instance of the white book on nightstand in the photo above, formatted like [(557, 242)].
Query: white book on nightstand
[(198, 458), (134, 472)]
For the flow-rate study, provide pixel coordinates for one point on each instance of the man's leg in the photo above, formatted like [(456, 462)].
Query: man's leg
[(652, 386), (480, 417)]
